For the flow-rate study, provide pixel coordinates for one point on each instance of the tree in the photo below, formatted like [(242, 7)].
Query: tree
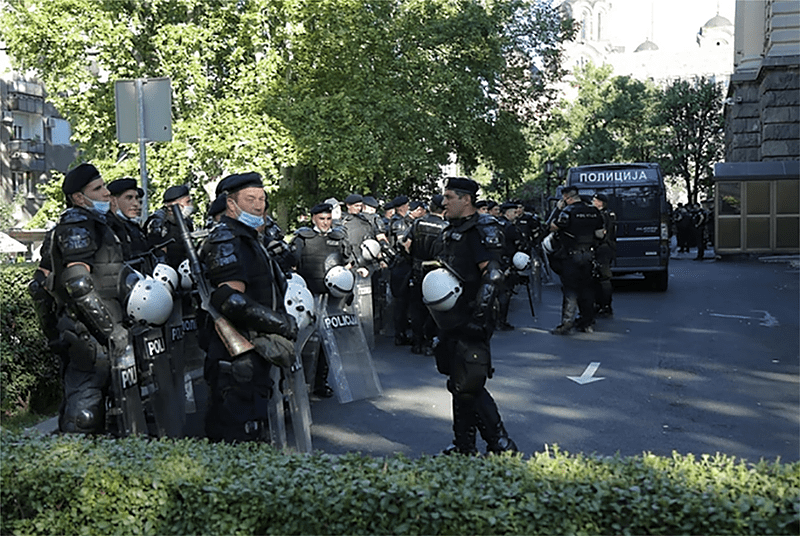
[(320, 97), (691, 115)]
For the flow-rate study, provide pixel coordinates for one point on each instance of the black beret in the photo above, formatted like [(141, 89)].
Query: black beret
[(175, 192), (319, 209), (124, 184), (371, 201), (482, 203), (79, 177), (234, 183), (437, 202), (389, 206), (507, 205), (601, 197), (414, 205), (462, 184), (491, 204), (569, 191), (400, 200), (352, 199), (218, 205)]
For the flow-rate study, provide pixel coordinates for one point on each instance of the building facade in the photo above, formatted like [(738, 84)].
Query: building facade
[(757, 193), (34, 140)]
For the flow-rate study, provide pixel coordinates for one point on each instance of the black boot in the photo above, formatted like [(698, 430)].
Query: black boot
[(491, 426), (464, 430)]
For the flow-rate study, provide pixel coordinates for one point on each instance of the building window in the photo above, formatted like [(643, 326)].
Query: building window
[(17, 133)]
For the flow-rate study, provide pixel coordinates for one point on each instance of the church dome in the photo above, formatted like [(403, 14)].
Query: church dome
[(717, 22), (646, 46)]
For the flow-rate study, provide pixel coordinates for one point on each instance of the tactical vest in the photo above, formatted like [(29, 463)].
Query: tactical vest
[(577, 224), (358, 229), (426, 231), (319, 254)]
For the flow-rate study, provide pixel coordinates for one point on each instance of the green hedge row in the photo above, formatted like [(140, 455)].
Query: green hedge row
[(29, 372), (79, 485)]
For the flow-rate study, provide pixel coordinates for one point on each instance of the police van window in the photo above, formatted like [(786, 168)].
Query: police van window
[(638, 203)]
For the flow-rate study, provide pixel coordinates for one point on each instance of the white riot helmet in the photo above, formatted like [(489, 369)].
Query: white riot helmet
[(370, 249), (440, 290), (185, 271), (521, 260), (299, 302), (294, 277), (547, 244), (166, 275), (150, 302), (339, 281)]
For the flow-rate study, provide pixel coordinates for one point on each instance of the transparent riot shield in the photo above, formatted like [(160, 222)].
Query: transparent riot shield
[(128, 410), (296, 393), (362, 307), (193, 383), (277, 422), (163, 402), (347, 352)]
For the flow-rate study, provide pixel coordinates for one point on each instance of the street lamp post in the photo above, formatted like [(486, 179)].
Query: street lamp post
[(548, 170)]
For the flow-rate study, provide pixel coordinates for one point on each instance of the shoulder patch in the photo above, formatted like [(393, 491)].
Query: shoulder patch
[(73, 215), (221, 233)]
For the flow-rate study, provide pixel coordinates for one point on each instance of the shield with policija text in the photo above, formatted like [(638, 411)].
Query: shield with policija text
[(362, 306), (350, 360)]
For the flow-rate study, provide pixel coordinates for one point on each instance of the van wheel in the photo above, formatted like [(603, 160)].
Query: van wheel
[(658, 280)]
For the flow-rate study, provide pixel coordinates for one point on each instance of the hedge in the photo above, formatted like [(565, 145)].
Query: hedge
[(29, 372), (79, 485)]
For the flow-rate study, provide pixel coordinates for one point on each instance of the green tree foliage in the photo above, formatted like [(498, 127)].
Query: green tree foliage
[(353, 94), (610, 121), (690, 112)]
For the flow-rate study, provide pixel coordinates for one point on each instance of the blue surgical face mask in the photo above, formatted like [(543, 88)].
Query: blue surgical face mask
[(101, 207), (135, 219), (251, 220)]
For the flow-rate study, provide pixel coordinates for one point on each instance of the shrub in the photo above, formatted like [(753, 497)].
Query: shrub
[(29, 372), (70, 484)]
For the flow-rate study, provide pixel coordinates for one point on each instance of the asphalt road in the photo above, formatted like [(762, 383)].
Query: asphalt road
[(711, 365)]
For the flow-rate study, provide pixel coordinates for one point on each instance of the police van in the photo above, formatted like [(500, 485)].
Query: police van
[(636, 194)]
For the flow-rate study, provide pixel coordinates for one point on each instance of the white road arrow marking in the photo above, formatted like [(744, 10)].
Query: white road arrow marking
[(588, 375), (767, 320)]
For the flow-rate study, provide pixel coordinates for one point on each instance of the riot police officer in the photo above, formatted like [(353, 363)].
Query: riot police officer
[(463, 309), (161, 226), (248, 291), (421, 239), (86, 260), (604, 255), (579, 226), (512, 242), (319, 249), (125, 215), (400, 270)]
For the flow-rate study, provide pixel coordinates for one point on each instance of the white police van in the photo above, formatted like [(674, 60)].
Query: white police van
[(636, 194)]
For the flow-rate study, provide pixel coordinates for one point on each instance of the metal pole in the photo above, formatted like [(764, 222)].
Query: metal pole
[(142, 144)]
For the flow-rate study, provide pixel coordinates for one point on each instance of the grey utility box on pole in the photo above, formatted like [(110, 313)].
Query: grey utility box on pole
[(144, 113)]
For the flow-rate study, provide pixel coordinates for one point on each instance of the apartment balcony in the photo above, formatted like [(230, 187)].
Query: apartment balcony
[(26, 103), (25, 146), (21, 161)]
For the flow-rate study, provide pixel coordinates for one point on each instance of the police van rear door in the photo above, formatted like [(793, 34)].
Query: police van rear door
[(636, 196)]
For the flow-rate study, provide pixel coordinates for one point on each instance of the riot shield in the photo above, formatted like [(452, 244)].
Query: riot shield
[(128, 409), (296, 392), (362, 307), (349, 357), (277, 423), (163, 402), (193, 383)]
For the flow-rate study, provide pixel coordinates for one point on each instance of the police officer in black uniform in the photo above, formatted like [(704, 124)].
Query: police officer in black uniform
[(317, 250), (86, 260), (469, 246), (579, 226), (249, 289), (125, 215), (161, 226), (512, 242), (400, 270), (421, 238), (604, 255)]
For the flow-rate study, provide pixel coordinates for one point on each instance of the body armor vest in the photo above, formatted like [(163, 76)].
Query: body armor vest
[(358, 229), (426, 231), (577, 224), (319, 254)]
